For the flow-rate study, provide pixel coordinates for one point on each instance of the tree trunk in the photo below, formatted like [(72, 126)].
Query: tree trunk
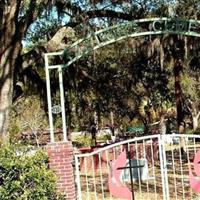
[(195, 122), (178, 95), (96, 121), (7, 63), (162, 125), (10, 47), (195, 119), (178, 66), (112, 123)]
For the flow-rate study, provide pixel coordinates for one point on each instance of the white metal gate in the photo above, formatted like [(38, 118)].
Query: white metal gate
[(150, 167)]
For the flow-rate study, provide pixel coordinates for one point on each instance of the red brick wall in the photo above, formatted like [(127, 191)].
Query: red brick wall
[(60, 161), (104, 167)]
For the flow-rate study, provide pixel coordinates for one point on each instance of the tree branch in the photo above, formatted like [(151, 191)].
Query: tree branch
[(62, 5), (81, 16), (85, 16), (32, 13), (111, 14)]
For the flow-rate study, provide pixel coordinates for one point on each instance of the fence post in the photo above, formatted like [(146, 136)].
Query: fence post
[(78, 182), (163, 165), (60, 161)]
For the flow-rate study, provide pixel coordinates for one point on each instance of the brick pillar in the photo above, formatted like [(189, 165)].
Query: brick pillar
[(60, 161)]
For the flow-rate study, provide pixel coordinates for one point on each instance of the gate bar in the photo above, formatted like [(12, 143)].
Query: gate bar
[(78, 181), (49, 98), (163, 166), (62, 102)]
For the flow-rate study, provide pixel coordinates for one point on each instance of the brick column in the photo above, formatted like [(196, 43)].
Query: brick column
[(60, 161)]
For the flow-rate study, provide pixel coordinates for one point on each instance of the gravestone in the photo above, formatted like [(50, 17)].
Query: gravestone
[(139, 170)]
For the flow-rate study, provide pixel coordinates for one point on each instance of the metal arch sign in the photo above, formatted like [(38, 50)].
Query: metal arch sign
[(101, 38), (136, 28)]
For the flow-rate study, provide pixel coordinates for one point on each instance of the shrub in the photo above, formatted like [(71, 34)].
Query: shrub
[(83, 141), (104, 138), (25, 175), (27, 115)]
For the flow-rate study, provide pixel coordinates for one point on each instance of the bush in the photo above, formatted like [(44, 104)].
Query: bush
[(83, 141), (25, 175), (104, 138)]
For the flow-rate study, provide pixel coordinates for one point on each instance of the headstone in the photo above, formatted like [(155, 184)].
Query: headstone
[(139, 171)]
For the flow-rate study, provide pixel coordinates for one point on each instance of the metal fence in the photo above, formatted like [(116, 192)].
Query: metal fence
[(149, 167)]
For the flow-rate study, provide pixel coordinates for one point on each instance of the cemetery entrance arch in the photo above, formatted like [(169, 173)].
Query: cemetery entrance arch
[(101, 38), (92, 42)]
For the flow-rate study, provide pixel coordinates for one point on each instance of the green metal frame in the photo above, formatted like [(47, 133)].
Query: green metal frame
[(101, 38)]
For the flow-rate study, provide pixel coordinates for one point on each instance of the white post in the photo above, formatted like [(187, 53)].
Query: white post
[(62, 102), (162, 167), (165, 165), (49, 98), (78, 180)]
